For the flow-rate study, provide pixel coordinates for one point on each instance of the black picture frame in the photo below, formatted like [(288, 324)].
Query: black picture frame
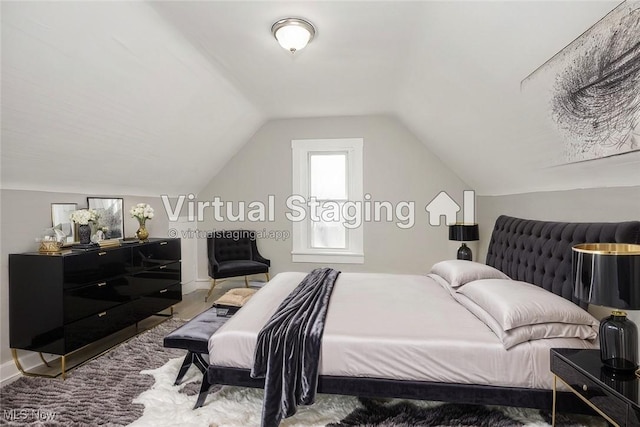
[(110, 212)]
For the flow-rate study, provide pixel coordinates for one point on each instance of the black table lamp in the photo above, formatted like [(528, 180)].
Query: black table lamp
[(464, 233), (609, 274)]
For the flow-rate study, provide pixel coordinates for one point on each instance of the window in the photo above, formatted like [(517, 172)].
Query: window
[(327, 199)]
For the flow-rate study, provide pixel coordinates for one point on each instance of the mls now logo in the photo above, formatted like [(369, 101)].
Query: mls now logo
[(444, 205), (16, 414), (28, 414)]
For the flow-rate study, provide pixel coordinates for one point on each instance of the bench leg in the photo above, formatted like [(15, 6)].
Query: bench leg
[(246, 282), (213, 285), (188, 360), (197, 359), (204, 391), (202, 363), (267, 274)]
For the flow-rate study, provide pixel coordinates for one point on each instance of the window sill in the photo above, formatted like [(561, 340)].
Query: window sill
[(328, 257)]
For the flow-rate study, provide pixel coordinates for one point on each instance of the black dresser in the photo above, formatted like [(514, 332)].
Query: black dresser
[(60, 303)]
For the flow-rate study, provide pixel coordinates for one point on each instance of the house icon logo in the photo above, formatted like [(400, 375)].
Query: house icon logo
[(443, 205)]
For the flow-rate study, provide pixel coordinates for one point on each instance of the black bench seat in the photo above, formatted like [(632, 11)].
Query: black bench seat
[(194, 336)]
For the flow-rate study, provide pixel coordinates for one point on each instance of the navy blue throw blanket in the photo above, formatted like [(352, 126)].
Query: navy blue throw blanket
[(288, 347)]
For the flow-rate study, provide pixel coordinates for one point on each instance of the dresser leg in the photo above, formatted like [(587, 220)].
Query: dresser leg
[(43, 360), (16, 360), (14, 354), (553, 410)]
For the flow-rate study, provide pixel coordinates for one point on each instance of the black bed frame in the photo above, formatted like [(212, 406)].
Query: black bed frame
[(537, 252)]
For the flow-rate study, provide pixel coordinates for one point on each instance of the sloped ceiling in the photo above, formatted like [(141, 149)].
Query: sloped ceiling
[(107, 98), (153, 98)]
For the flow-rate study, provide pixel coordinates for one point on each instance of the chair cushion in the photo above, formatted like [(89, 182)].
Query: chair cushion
[(194, 335), (241, 267), (233, 249)]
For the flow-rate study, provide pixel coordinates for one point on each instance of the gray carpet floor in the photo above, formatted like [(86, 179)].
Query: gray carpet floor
[(97, 393)]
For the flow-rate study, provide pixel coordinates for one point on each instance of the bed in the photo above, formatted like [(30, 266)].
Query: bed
[(424, 337)]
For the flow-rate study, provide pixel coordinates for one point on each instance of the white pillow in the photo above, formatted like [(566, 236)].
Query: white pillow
[(513, 303), (458, 272), (442, 283), (526, 333)]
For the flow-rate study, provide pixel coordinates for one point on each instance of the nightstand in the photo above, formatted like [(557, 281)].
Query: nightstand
[(614, 396)]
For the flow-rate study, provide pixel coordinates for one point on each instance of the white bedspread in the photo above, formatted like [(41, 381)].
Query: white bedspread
[(397, 327)]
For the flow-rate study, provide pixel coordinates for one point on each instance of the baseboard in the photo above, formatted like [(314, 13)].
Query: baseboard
[(206, 283), (9, 371), (187, 288), (203, 283)]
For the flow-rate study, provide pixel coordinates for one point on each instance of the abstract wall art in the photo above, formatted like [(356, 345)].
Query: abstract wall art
[(590, 90)]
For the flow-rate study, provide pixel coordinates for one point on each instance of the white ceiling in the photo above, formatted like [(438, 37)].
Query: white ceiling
[(153, 98)]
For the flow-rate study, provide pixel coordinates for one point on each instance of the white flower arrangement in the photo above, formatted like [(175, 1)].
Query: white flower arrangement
[(142, 212), (84, 216)]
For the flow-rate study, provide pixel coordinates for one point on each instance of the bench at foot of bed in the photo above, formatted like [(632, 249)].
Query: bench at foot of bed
[(194, 336)]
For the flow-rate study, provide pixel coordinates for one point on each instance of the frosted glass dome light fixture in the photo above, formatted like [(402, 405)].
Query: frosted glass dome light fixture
[(293, 34)]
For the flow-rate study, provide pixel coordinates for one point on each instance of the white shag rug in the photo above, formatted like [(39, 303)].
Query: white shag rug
[(169, 405), (165, 405)]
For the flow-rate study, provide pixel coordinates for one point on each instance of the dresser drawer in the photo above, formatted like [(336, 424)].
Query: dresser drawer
[(100, 325), (157, 253), (613, 406), (84, 301), (155, 279), (95, 265), (158, 301)]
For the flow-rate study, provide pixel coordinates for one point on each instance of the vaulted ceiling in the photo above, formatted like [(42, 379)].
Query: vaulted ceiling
[(154, 98)]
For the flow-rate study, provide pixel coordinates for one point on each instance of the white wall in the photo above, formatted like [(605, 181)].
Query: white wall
[(397, 167), (24, 214), (611, 204)]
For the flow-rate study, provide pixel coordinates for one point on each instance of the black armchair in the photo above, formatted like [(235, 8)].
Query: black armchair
[(234, 253)]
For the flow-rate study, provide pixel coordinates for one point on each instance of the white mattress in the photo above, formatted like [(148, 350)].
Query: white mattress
[(402, 327)]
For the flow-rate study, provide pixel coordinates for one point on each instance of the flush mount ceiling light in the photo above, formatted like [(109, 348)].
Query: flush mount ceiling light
[(293, 33)]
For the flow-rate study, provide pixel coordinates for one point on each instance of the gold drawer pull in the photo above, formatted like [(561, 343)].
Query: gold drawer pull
[(104, 313), (162, 267), (163, 291), (101, 253), (101, 284), (584, 387), (163, 243)]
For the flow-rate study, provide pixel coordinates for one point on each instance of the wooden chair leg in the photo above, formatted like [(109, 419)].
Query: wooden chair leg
[(267, 274), (213, 285), (246, 282)]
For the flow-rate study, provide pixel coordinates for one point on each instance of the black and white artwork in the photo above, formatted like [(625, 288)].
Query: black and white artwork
[(590, 91), (110, 216), (61, 219)]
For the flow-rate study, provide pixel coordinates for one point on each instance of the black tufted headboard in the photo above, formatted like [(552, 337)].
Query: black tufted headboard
[(539, 252)]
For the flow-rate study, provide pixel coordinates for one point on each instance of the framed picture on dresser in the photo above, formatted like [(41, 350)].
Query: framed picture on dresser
[(60, 219), (110, 215)]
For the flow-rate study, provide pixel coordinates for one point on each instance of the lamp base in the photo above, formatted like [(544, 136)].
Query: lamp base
[(464, 252), (619, 342)]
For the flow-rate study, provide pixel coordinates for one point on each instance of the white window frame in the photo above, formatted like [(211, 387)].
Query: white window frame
[(302, 149)]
